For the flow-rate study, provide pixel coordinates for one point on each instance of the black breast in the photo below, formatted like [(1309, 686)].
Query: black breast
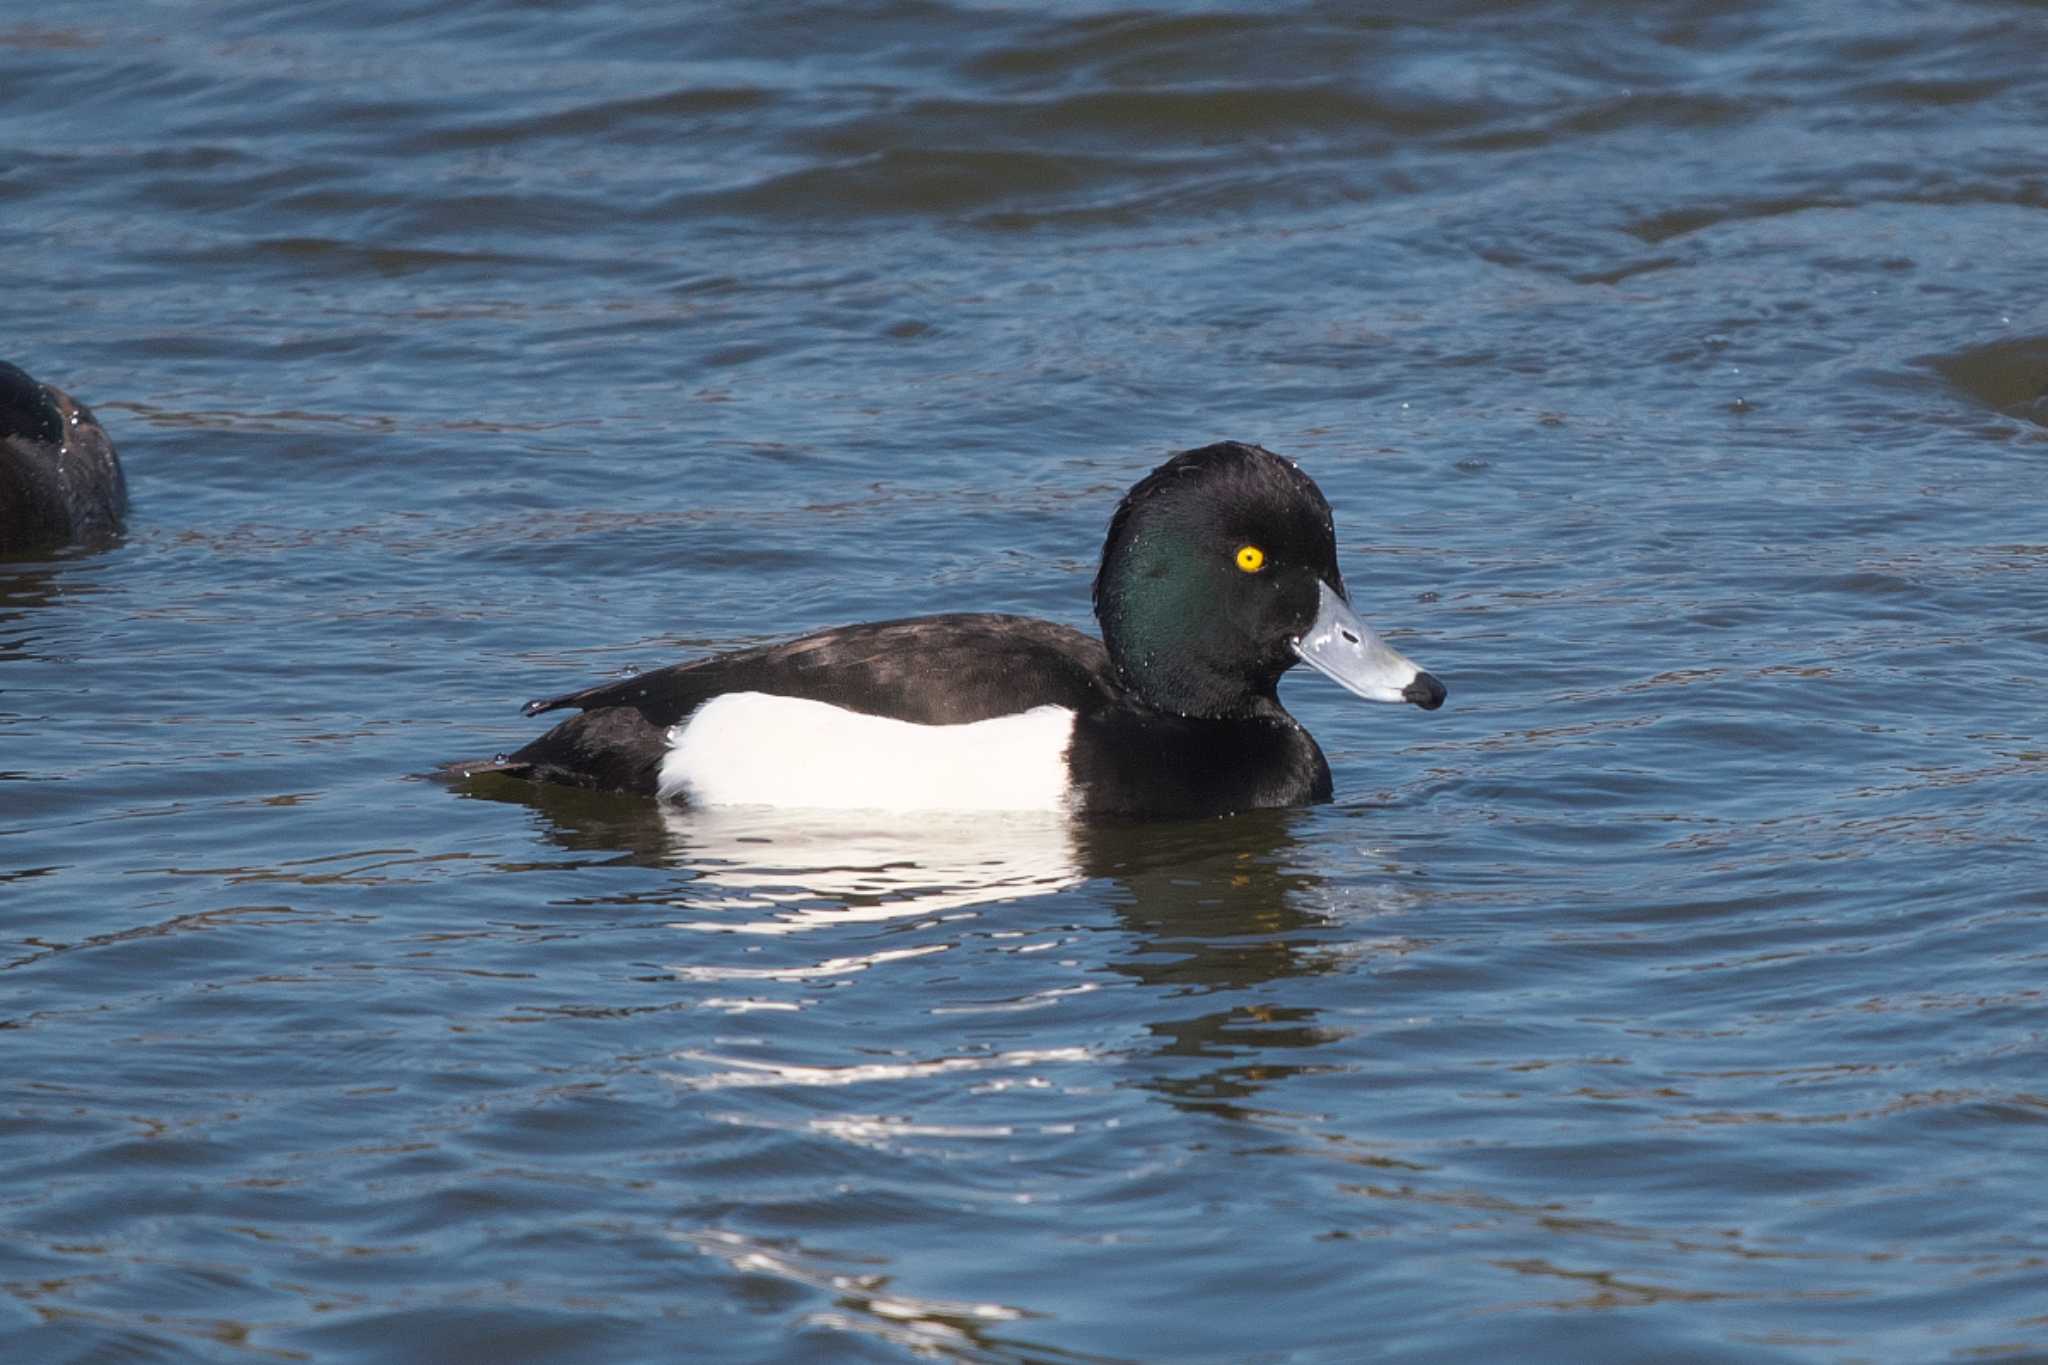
[(1130, 760)]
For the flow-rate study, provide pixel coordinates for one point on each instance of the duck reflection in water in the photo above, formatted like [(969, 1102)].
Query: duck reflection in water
[(1208, 910)]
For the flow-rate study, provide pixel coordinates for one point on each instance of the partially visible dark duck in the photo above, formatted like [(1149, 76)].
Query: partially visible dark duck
[(60, 480)]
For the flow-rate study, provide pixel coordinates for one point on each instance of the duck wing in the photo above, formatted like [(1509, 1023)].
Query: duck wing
[(930, 670)]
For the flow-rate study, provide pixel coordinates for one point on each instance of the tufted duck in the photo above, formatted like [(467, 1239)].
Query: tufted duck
[(1219, 574)]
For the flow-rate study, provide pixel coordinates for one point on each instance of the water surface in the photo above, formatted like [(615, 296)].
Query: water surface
[(1677, 373)]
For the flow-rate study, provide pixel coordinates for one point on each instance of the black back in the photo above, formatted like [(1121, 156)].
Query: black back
[(931, 670)]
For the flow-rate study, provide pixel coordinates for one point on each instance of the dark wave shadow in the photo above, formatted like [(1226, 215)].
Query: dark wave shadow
[(2010, 375)]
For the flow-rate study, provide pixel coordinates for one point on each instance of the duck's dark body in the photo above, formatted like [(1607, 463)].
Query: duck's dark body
[(1218, 565), (60, 480)]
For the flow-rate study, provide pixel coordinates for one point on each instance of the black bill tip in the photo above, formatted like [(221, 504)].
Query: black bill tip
[(1426, 692)]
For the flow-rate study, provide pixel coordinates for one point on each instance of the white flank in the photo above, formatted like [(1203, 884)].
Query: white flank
[(751, 749)]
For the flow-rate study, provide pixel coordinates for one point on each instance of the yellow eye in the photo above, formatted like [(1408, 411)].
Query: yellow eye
[(1250, 558)]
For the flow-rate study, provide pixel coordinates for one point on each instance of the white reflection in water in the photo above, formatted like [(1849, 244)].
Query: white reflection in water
[(1037, 1000), (745, 1072), (775, 872), (831, 966), (864, 1300)]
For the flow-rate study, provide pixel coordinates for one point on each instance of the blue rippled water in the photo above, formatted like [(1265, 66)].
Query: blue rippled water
[(1679, 374)]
